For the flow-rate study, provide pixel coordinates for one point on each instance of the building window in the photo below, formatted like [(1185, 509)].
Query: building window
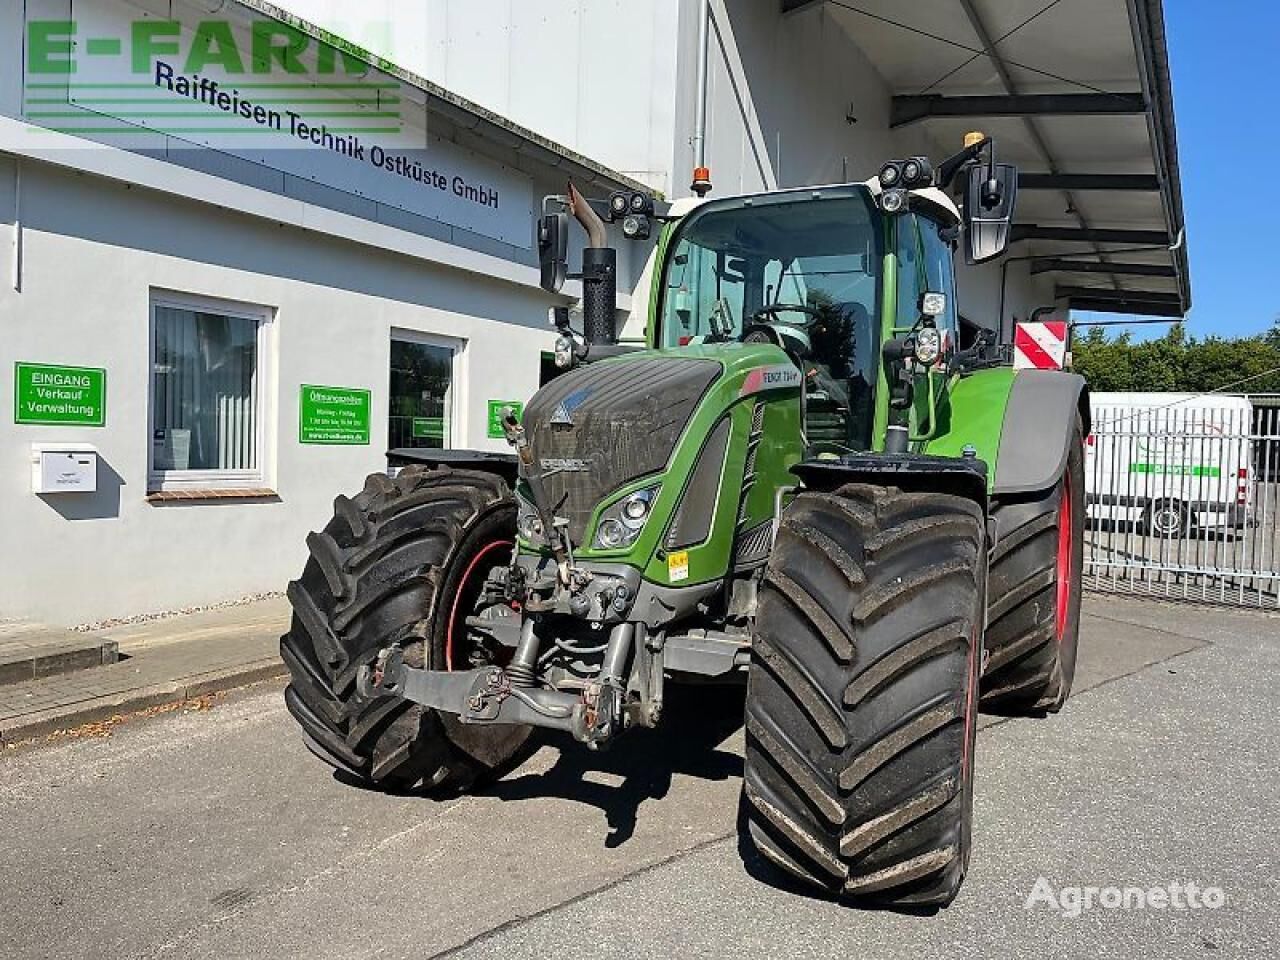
[(207, 396), (421, 391), (547, 369)]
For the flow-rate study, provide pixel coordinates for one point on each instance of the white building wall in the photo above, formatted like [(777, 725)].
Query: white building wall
[(978, 289), (594, 75), (11, 25), (779, 97), (792, 100), (597, 75), (93, 252)]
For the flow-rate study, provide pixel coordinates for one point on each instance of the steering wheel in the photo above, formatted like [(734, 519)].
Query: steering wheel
[(769, 313)]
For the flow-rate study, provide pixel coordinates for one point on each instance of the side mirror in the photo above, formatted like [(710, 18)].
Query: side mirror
[(553, 250), (990, 195)]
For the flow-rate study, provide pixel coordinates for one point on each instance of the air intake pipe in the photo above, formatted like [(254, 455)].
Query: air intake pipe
[(599, 275)]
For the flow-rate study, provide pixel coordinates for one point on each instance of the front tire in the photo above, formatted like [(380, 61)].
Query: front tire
[(862, 697), (389, 569)]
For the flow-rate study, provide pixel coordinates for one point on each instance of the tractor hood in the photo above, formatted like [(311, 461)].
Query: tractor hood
[(666, 461), (599, 427)]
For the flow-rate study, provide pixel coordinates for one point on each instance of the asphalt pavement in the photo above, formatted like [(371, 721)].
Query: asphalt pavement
[(213, 833)]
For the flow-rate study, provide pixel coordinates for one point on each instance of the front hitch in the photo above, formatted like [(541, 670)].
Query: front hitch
[(487, 696)]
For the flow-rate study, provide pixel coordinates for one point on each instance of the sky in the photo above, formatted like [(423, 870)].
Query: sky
[(1224, 56)]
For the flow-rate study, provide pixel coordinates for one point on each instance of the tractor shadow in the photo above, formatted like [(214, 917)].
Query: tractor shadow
[(697, 719)]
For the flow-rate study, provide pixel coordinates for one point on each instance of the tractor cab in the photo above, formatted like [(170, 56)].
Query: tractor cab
[(796, 271), (806, 271), (855, 283)]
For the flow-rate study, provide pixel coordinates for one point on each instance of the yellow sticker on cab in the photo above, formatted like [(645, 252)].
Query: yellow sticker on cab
[(678, 566)]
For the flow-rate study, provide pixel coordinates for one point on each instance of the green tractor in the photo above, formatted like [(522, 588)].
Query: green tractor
[(812, 475)]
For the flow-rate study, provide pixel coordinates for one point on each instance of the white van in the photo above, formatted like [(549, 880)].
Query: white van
[(1169, 462)]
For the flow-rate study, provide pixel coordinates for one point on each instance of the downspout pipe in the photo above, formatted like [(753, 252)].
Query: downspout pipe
[(17, 225), (701, 177), (700, 108)]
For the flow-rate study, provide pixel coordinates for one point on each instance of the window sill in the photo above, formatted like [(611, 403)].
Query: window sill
[(223, 494)]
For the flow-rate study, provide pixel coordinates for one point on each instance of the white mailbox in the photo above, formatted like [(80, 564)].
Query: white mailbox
[(64, 468)]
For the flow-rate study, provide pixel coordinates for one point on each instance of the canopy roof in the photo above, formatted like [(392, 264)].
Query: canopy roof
[(1077, 94)]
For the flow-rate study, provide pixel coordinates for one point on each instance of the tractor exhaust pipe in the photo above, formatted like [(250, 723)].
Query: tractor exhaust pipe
[(599, 275)]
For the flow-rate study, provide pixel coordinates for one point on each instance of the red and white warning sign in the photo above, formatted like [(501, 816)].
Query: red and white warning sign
[(1041, 345)]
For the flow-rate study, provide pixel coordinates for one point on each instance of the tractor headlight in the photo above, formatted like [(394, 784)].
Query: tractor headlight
[(890, 174), (636, 227), (564, 351), (928, 346), (611, 535), (933, 304), (917, 172), (635, 509), (621, 522), (893, 201)]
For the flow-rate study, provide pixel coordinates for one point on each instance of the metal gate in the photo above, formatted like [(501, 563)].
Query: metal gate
[(1184, 498)]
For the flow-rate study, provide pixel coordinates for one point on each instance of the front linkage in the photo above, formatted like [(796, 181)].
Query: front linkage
[(613, 701), (493, 695)]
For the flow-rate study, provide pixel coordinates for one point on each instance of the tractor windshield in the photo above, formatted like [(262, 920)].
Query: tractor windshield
[(795, 269)]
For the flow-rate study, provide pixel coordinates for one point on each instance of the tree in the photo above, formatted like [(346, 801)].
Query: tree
[(1105, 363), (1179, 363)]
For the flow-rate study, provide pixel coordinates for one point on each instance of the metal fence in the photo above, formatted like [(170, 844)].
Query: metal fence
[(1184, 499)]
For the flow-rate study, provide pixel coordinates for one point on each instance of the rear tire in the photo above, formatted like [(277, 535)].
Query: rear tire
[(383, 572), (862, 697), (1033, 612)]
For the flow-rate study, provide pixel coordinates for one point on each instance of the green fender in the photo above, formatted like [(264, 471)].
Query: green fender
[(1019, 422)]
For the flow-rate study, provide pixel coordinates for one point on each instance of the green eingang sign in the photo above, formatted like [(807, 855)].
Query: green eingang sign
[(55, 395)]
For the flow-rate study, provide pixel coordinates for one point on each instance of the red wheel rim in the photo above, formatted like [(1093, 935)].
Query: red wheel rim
[(463, 585), (1064, 558)]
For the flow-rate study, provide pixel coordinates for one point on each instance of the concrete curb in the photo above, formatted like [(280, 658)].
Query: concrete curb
[(65, 717), (50, 659)]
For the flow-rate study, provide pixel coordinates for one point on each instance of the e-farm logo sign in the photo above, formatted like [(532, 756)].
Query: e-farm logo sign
[(212, 77), (315, 108)]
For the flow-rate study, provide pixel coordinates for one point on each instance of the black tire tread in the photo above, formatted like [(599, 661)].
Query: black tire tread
[(374, 578), (1028, 672), (857, 718)]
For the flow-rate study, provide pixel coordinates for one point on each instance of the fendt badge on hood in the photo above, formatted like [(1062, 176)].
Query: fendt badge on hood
[(552, 465)]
